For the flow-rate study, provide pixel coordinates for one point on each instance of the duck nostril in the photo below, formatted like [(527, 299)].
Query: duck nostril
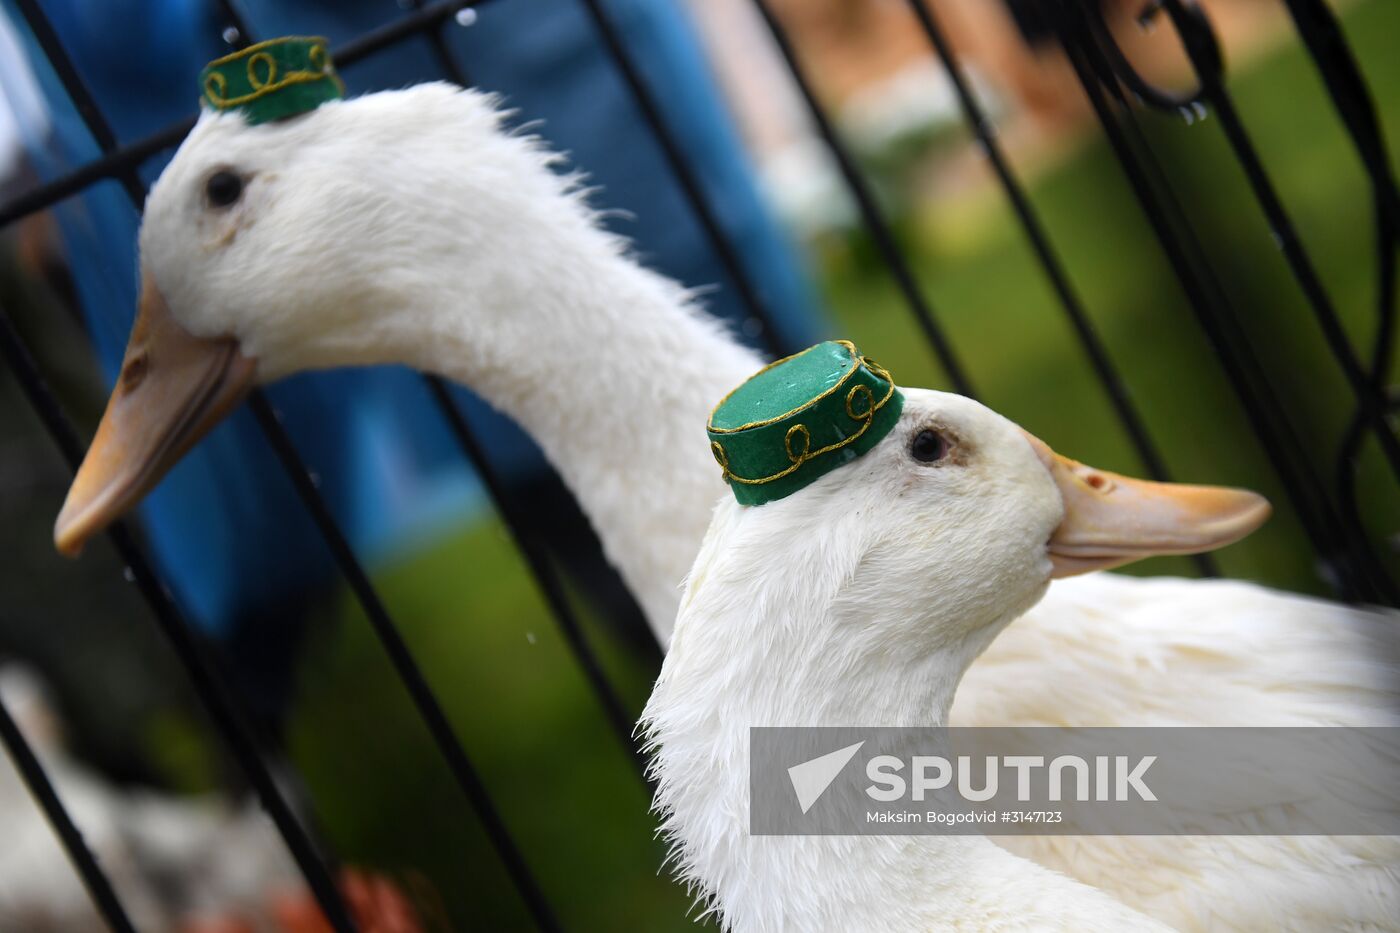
[(1097, 481), (134, 372)]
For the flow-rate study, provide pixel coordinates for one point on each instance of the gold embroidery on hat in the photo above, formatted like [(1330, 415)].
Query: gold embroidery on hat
[(214, 87), (317, 55), (256, 82), (803, 455), (867, 418)]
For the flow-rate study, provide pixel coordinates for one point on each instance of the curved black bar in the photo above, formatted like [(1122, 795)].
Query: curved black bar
[(1197, 38), (1093, 346), (1321, 34), (208, 685), (870, 212), (429, 709), (1202, 49), (1351, 564), (31, 771)]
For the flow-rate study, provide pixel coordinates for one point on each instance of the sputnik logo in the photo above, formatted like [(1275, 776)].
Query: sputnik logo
[(811, 778)]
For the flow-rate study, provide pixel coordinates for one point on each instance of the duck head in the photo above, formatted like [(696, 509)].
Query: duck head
[(959, 518), (285, 246), (857, 596)]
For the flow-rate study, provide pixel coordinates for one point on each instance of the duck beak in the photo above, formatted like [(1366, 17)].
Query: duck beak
[(173, 388), (1111, 520)]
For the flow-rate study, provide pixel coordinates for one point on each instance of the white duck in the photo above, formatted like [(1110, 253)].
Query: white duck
[(860, 599), (176, 863), (408, 227)]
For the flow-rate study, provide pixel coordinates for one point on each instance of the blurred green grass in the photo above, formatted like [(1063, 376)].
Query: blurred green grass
[(485, 638)]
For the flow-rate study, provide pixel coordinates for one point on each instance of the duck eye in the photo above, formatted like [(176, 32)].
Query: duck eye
[(223, 188), (928, 446)]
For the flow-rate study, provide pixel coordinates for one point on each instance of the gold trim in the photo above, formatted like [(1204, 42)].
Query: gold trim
[(797, 459), (265, 44), (215, 77), (859, 389), (855, 359), (254, 81), (720, 456), (316, 55), (867, 417)]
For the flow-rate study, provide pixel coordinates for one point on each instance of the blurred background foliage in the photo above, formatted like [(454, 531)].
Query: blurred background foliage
[(485, 637)]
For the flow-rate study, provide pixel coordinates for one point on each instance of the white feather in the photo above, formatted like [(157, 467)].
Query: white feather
[(408, 227)]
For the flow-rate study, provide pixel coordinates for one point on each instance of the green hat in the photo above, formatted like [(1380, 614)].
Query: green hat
[(273, 79), (800, 418)]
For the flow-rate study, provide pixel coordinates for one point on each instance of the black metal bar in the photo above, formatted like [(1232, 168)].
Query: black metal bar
[(1204, 294), (1322, 35), (1370, 404), (31, 771), (686, 177), (115, 164), (1206, 301), (1368, 575), (545, 576), (507, 506), (402, 659), (547, 579), (1112, 382), (1202, 49), (1348, 89), (122, 161), (870, 211), (78, 93), (430, 16), (208, 686)]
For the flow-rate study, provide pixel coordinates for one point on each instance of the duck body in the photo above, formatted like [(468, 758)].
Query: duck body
[(817, 610), (410, 227)]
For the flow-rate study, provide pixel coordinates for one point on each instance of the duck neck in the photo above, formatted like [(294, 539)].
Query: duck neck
[(765, 657), (612, 371)]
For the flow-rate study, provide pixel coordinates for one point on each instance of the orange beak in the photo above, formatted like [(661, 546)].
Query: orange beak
[(173, 388), (1111, 520)]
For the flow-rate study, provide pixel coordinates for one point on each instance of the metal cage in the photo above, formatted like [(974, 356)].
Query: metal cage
[(1326, 504)]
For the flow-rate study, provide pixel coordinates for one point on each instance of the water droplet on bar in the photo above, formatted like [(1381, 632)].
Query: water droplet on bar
[(129, 575), (465, 17), (1276, 237), (315, 478), (1200, 108), (232, 35)]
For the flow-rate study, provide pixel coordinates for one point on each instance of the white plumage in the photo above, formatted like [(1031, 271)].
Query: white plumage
[(171, 860), (859, 599), (407, 227)]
